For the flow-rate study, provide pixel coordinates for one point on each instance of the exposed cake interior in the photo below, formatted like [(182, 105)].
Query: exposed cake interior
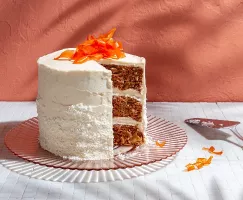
[(127, 107), (127, 135), (126, 77), (129, 99)]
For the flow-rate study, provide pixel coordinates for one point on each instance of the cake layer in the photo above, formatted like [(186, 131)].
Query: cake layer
[(128, 70), (74, 114), (127, 107), (75, 109), (80, 79), (76, 131), (64, 97), (126, 77), (85, 135), (88, 83), (127, 135)]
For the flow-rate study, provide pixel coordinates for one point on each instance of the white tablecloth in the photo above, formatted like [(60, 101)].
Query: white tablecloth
[(223, 179)]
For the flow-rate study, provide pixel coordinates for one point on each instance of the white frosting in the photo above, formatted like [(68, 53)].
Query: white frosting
[(75, 109), (125, 120), (67, 66), (128, 92), (144, 101), (130, 60)]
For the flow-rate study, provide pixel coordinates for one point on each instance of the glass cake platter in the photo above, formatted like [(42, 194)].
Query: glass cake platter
[(128, 162)]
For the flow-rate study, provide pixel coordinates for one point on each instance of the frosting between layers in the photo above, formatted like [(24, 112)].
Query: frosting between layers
[(125, 120), (129, 93), (128, 121)]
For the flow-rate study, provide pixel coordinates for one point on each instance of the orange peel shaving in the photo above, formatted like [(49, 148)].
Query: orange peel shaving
[(212, 150), (93, 48), (162, 144), (200, 163)]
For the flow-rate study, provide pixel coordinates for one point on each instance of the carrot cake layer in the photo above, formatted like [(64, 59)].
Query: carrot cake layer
[(127, 135), (126, 77), (127, 107)]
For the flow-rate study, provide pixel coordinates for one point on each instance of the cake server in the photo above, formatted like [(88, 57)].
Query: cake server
[(216, 123), (212, 123)]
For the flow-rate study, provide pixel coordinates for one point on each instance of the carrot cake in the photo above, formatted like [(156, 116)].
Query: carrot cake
[(90, 99)]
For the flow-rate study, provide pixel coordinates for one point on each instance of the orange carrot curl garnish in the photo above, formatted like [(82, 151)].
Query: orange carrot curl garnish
[(212, 150), (93, 48), (162, 144), (190, 167), (200, 162)]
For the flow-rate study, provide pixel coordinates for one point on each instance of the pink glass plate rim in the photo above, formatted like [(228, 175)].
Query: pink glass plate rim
[(120, 164)]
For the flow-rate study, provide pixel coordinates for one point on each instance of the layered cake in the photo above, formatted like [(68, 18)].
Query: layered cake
[(90, 99)]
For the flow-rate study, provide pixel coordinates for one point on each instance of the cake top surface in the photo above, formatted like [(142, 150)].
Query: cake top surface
[(103, 49), (128, 60), (66, 65)]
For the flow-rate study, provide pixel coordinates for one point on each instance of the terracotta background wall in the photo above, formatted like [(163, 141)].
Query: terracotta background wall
[(194, 48)]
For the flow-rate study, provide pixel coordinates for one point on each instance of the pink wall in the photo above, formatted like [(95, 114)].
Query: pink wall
[(194, 49)]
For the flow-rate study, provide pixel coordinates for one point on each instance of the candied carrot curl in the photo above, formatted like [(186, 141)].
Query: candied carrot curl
[(68, 54), (212, 150), (93, 48), (200, 163), (190, 167), (162, 144)]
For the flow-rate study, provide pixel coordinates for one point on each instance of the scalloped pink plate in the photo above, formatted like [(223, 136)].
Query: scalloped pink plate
[(23, 142)]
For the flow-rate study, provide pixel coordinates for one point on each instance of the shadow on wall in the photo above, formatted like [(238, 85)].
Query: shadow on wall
[(193, 48), (89, 26), (191, 58), (180, 41)]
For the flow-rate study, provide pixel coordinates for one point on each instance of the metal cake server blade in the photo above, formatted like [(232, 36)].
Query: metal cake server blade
[(218, 124), (212, 123)]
